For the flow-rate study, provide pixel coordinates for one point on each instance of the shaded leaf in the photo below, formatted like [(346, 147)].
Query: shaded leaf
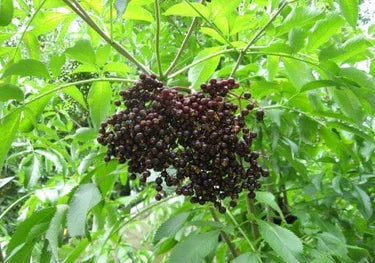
[(195, 248), (170, 227), (249, 257), (8, 130), (299, 73), (53, 231), (296, 39), (76, 94), (85, 198), (317, 84)]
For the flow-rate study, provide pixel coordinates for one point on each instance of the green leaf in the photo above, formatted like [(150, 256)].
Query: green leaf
[(75, 94), (120, 6), (296, 39), (349, 104), (34, 110), (170, 227), (22, 254), (8, 130), (34, 172), (299, 73), (364, 202), (25, 229), (269, 199), (184, 9), (299, 17), (332, 245), (82, 51), (284, 242), (86, 68), (272, 67), (47, 21), (54, 228), (85, 134), (323, 30), (195, 248), (85, 163), (56, 63), (138, 13), (117, 67), (32, 45), (349, 9), (6, 12), (85, 198), (317, 84), (54, 158), (27, 67), (99, 99), (77, 251), (249, 257), (203, 71), (103, 53), (10, 92)]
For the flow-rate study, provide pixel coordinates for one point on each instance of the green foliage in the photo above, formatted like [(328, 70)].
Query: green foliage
[(311, 68)]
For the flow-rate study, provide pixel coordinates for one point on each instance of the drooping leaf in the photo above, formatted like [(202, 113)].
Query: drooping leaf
[(284, 242), (272, 67), (29, 227), (349, 9), (82, 51), (34, 172), (364, 202), (10, 92), (52, 234), (195, 248), (27, 67), (349, 104), (76, 94), (317, 84), (85, 134), (323, 30), (203, 71), (85, 198), (6, 180), (170, 227), (99, 99), (6, 12), (8, 131), (299, 17)]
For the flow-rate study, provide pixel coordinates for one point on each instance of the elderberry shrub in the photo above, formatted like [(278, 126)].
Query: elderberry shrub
[(199, 135)]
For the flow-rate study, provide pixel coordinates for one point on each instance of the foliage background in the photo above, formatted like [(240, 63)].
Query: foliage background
[(312, 70)]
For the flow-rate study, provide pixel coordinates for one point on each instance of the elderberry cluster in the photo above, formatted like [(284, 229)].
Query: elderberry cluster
[(198, 136)]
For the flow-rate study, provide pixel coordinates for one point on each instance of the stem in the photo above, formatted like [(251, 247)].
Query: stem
[(224, 235), (243, 233), (183, 44), (27, 27), (77, 8), (249, 52), (256, 37), (111, 18), (60, 87), (157, 38), (251, 210)]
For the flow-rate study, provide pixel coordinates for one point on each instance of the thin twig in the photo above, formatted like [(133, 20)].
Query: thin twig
[(77, 8), (211, 24), (111, 18), (183, 44), (256, 37), (157, 38), (224, 235)]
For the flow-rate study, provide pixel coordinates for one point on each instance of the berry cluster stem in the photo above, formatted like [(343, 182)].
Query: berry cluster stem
[(224, 235), (157, 38), (251, 210)]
